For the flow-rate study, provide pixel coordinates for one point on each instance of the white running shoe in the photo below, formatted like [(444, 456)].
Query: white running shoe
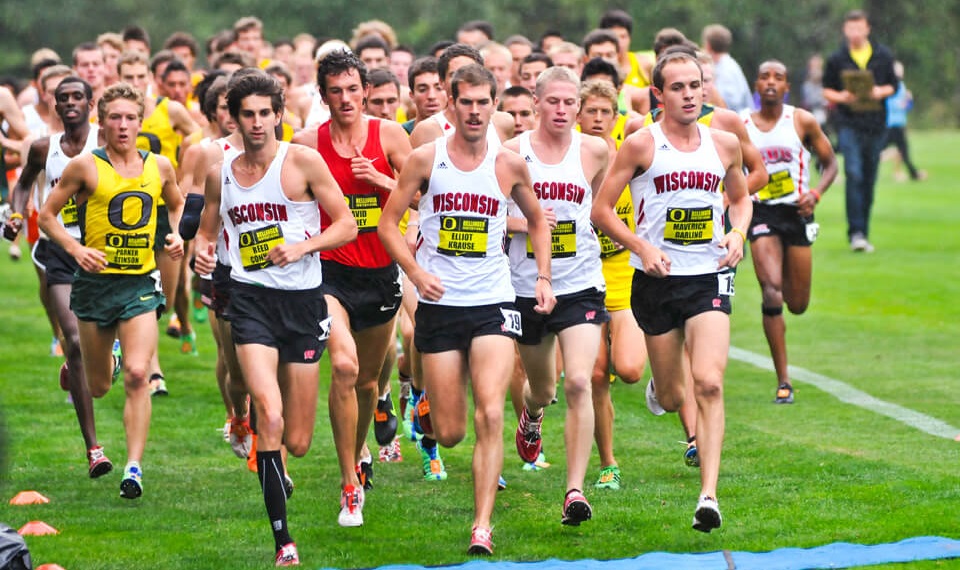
[(351, 506), (707, 516), (652, 404)]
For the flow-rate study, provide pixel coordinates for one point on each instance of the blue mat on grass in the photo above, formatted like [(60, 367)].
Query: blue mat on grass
[(836, 555)]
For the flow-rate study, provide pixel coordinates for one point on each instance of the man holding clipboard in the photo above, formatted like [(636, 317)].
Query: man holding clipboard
[(858, 78)]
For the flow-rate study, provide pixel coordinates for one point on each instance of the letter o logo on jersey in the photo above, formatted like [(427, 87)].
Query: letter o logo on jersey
[(677, 215), (115, 240), (245, 239), (449, 223), (118, 205)]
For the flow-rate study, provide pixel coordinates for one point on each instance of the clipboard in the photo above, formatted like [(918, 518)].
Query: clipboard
[(860, 83)]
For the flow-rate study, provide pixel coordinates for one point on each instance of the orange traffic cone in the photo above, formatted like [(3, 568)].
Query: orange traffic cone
[(37, 528), (29, 498)]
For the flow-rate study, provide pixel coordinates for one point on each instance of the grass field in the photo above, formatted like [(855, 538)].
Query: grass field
[(793, 476)]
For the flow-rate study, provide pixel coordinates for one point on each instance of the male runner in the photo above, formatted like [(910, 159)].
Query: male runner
[(681, 289), (267, 199), (783, 227), (116, 188), (466, 318)]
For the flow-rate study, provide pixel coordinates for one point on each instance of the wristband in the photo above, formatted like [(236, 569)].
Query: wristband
[(739, 231), (16, 216), (544, 278), (815, 195)]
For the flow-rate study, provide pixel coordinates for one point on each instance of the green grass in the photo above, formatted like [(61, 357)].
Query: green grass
[(797, 476)]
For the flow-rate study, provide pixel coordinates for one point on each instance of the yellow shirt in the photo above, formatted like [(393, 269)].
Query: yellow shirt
[(636, 76), (862, 56), (157, 134), (120, 216)]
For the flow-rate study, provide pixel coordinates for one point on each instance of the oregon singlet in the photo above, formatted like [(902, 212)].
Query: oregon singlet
[(120, 216), (679, 204), (157, 134), (56, 161), (635, 75), (260, 217), (463, 224), (365, 200), (786, 159), (574, 252)]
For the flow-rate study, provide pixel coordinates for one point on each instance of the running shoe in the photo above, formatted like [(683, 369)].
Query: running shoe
[(241, 437), (287, 485), (173, 327), (576, 509), (384, 421), (481, 541), (501, 483), (433, 469), (99, 464), (64, 377), (188, 344), (652, 404), (199, 310), (351, 506), (421, 416), (407, 415), (528, 437), (131, 486), (784, 394), (690, 456), (158, 386), (406, 388), (226, 430), (540, 464), (252, 458), (118, 361), (707, 516), (288, 556), (365, 473), (15, 252), (391, 453), (609, 478)]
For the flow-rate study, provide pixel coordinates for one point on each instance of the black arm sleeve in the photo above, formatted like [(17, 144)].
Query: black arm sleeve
[(190, 219)]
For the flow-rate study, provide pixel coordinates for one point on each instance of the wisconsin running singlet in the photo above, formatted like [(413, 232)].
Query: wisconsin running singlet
[(786, 159)]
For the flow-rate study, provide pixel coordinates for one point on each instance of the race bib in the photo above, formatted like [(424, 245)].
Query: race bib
[(69, 213), (608, 247), (725, 283), (366, 211), (688, 226), (463, 236), (127, 251), (254, 246), (813, 230), (563, 240), (511, 322), (780, 185)]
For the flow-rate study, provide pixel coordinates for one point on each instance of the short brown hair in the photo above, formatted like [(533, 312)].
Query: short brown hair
[(119, 91)]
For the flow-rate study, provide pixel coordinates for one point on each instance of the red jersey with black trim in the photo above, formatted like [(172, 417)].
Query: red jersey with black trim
[(364, 200)]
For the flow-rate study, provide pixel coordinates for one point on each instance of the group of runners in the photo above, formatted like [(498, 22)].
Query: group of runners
[(505, 208)]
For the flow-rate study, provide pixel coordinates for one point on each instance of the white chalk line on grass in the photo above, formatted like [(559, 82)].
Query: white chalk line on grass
[(850, 395)]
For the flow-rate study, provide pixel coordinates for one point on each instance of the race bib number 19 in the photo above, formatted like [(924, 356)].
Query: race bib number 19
[(511, 322), (725, 283)]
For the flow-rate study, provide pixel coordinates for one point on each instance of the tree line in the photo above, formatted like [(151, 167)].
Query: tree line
[(920, 33)]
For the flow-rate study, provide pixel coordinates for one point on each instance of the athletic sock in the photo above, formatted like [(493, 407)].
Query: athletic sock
[(385, 396), (428, 442), (270, 472)]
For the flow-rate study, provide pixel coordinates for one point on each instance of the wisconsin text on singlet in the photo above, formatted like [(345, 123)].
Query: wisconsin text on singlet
[(258, 212), (687, 180), (466, 202)]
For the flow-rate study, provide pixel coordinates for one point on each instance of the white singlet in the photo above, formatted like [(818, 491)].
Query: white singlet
[(575, 252), (786, 159), (679, 204), (463, 224), (56, 162), (259, 217)]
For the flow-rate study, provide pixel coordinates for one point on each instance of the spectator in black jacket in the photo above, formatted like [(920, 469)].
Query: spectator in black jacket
[(860, 117)]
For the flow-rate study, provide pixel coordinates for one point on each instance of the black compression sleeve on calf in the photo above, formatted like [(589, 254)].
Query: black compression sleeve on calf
[(190, 219), (270, 472), (771, 311)]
